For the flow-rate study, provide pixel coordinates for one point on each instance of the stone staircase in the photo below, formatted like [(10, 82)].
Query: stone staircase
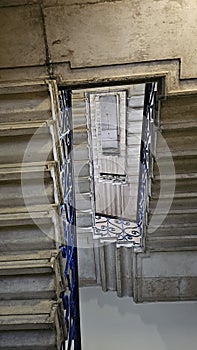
[(167, 271), (101, 263), (83, 190), (31, 266), (164, 269)]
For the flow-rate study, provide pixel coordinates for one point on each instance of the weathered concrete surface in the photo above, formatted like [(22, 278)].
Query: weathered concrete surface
[(30, 268), (7, 3), (167, 269), (165, 276), (121, 38), (115, 32), (21, 37), (91, 41), (83, 191)]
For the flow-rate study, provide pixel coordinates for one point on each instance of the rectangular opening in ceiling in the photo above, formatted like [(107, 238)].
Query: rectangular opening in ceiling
[(112, 137)]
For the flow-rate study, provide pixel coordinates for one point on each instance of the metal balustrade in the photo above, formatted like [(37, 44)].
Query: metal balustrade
[(123, 231), (145, 157), (120, 230), (69, 251)]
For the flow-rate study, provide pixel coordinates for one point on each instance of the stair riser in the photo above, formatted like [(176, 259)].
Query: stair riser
[(27, 340), (172, 244), (182, 165), (15, 194), (177, 141), (177, 204), (84, 220), (24, 149), (177, 108), (174, 219), (22, 238), (27, 287), (182, 186)]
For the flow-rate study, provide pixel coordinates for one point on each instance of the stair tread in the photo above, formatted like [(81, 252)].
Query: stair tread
[(21, 307), (172, 226), (186, 211), (177, 126), (182, 153), (26, 125), (40, 209), (174, 195), (44, 254), (175, 177)]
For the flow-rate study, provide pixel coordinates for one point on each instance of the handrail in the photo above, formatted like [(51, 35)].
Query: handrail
[(69, 250), (143, 194)]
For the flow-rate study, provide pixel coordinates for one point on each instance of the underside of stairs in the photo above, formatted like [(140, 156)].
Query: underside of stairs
[(164, 268), (168, 269), (31, 231)]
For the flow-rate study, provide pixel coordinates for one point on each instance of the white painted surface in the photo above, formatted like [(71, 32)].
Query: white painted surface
[(108, 322)]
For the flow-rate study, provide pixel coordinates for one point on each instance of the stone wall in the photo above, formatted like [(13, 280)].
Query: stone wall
[(99, 39)]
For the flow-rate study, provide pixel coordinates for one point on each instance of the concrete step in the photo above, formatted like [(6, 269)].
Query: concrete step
[(80, 136), (83, 201), (26, 231), (31, 193), (181, 108), (84, 218), (31, 276), (179, 229), (25, 148), (185, 184), (79, 109), (29, 185), (83, 185), (81, 169), (79, 119), (23, 106), (28, 128), (178, 140), (35, 323), (185, 218), (81, 153), (181, 126), (186, 164), (181, 203), (171, 243), (29, 142)]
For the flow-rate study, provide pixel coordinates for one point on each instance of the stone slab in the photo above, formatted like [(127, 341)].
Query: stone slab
[(21, 37)]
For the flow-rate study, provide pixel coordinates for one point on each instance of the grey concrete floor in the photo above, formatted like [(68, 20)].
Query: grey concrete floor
[(109, 322)]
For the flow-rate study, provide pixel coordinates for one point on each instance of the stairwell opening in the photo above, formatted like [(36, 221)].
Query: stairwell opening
[(113, 155)]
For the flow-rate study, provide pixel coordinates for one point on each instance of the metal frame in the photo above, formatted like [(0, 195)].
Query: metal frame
[(146, 158)]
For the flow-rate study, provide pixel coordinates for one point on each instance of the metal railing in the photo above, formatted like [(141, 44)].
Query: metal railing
[(69, 250), (145, 158), (122, 231)]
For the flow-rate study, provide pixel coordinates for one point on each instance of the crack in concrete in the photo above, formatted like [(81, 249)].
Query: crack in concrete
[(48, 58), (94, 2)]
